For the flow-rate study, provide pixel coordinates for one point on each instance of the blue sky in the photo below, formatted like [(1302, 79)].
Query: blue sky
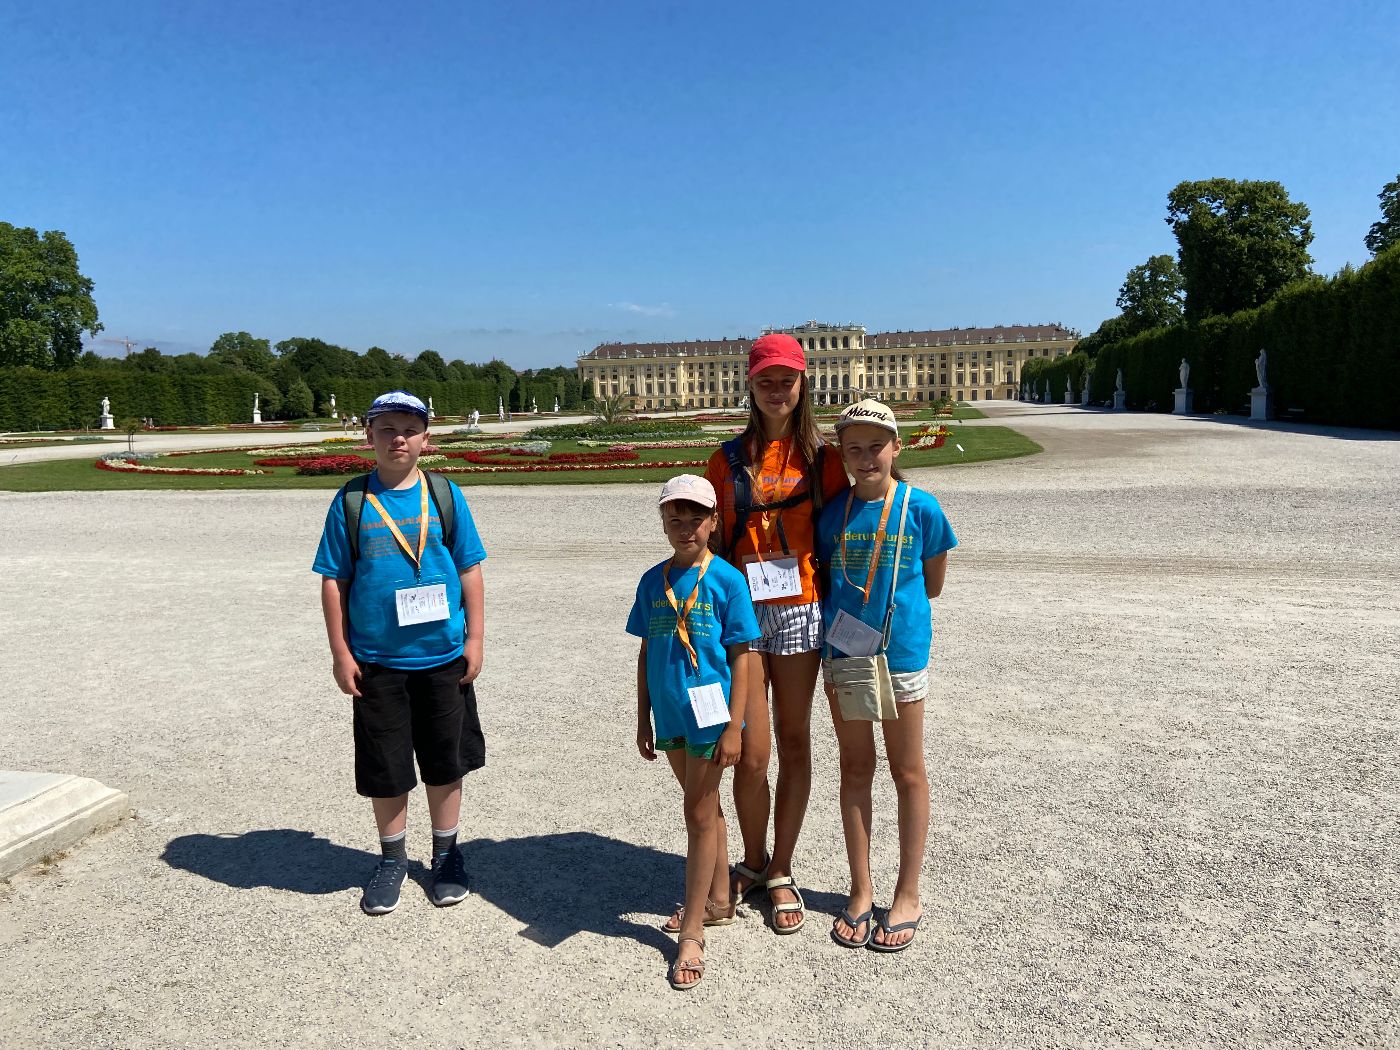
[(526, 180)]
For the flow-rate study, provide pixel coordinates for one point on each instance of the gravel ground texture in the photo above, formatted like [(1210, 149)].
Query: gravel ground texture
[(1162, 744)]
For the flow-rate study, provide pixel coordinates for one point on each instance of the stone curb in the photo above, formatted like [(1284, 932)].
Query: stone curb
[(45, 813)]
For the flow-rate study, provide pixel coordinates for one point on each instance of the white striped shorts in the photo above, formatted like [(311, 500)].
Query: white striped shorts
[(788, 629)]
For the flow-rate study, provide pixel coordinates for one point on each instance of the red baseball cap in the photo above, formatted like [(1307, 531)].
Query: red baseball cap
[(777, 349)]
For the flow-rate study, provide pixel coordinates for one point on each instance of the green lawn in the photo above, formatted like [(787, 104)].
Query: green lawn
[(39, 441), (979, 443)]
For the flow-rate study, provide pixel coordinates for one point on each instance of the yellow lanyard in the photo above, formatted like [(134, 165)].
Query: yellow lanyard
[(414, 556), (777, 495), (879, 540), (682, 612)]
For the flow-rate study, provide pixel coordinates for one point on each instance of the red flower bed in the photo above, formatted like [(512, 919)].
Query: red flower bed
[(495, 459), (537, 468), (334, 465)]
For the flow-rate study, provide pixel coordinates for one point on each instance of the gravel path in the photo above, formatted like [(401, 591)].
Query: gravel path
[(1162, 744)]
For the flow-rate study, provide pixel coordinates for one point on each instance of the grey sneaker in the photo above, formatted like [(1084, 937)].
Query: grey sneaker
[(382, 891), (449, 884)]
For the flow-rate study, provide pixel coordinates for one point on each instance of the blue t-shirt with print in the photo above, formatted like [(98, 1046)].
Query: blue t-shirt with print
[(927, 534), (383, 568), (721, 616)]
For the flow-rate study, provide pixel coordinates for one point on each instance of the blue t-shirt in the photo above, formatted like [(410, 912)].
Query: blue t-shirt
[(927, 534), (722, 616), (383, 568)]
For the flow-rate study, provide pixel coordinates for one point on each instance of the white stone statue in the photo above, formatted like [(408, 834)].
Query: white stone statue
[(1069, 392), (255, 403), (431, 413), (500, 409), (106, 407), (332, 404), (1184, 371), (1118, 382), (556, 410), (534, 406), (257, 414), (1047, 391), (1261, 368)]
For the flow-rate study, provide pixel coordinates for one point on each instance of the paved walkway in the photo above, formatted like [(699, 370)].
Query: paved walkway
[(1161, 743)]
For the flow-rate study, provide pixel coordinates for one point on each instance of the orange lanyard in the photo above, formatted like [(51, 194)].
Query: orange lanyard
[(414, 556), (879, 540), (777, 495), (682, 611)]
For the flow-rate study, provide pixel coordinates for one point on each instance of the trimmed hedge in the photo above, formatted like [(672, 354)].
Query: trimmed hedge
[(1334, 353), (1056, 369), (31, 399)]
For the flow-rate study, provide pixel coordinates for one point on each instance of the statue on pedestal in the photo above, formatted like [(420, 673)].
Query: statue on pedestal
[(1184, 371), (1118, 382), (1261, 368), (106, 407), (556, 405)]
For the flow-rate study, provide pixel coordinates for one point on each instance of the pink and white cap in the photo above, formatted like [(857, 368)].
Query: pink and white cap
[(688, 487)]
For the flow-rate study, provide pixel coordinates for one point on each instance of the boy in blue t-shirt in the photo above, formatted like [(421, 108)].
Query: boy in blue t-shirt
[(405, 625), (695, 618)]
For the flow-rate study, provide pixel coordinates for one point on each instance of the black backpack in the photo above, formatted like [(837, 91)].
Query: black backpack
[(439, 488), (737, 453)]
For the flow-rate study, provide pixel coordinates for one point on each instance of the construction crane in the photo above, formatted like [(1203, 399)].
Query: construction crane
[(128, 343)]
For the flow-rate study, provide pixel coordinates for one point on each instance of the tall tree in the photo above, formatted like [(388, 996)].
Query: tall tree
[(428, 365), (1240, 242), (376, 364), (244, 352), (45, 302), (1152, 295), (1386, 233)]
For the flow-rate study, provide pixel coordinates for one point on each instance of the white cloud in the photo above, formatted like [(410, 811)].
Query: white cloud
[(661, 310)]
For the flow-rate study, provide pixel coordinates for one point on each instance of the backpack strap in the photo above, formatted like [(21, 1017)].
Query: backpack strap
[(737, 455), (353, 495), (441, 491), (439, 488)]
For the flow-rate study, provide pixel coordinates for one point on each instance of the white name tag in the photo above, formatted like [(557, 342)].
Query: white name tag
[(707, 701), (422, 604), (854, 637), (773, 578)]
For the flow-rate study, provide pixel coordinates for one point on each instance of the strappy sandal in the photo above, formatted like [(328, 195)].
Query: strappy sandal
[(716, 914), (785, 882), (756, 880), (678, 967)]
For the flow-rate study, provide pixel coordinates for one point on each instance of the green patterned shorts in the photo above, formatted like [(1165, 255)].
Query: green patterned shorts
[(675, 743)]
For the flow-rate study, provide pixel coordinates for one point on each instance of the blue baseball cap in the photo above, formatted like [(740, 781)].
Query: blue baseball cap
[(397, 401)]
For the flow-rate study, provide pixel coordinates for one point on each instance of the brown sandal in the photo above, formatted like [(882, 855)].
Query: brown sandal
[(716, 914), (678, 967)]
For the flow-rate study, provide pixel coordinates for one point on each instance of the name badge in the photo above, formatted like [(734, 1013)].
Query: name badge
[(853, 636), (773, 578), (422, 604), (707, 702)]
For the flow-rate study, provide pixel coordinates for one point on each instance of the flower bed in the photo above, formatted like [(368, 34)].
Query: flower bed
[(650, 444), (486, 459), (334, 465), (928, 437), (126, 466), (546, 467)]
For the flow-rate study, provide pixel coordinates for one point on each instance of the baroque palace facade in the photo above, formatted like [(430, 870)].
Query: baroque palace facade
[(844, 365)]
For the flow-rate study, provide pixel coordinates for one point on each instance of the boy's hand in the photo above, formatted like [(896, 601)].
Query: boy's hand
[(729, 748), (347, 674), (471, 652), (646, 743)]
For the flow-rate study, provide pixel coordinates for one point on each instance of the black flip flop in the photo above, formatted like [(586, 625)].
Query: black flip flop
[(855, 923), (876, 946)]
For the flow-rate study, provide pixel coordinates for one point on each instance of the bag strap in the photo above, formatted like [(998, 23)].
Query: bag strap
[(735, 453), (894, 575), (353, 496)]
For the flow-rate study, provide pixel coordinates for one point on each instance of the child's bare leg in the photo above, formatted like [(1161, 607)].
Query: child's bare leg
[(856, 741), (752, 799), (904, 744), (676, 760), (719, 884), (391, 815), (702, 778), (794, 677), (445, 804)]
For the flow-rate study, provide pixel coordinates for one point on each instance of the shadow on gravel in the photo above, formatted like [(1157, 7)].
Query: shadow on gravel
[(568, 883), (279, 858)]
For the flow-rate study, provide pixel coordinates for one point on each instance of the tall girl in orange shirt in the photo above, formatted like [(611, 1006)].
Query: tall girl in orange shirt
[(767, 481)]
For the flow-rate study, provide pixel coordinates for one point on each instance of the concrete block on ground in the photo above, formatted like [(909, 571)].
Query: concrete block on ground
[(45, 813)]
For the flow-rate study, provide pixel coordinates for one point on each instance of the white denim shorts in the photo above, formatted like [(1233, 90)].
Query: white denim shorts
[(909, 688), (788, 629)]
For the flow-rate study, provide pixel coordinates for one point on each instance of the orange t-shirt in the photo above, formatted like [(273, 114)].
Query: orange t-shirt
[(779, 475)]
